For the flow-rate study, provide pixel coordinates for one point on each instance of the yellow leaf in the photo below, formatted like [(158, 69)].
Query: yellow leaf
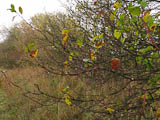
[(117, 5), (153, 26), (99, 44), (95, 38), (148, 35), (142, 96), (34, 53), (146, 15), (158, 113), (65, 63), (65, 31), (70, 58), (157, 15), (125, 110), (72, 54), (64, 39), (65, 36), (65, 89), (112, 16), (110, 110), (68, 102), (66, 96), (145, 96), (158, 82), (67, 99), (117, 33), (92, 55)]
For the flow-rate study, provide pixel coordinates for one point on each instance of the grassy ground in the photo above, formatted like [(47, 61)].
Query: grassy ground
[(18, 103), (14, 105)]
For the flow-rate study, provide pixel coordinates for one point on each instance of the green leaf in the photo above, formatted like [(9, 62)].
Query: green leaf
[(157, 77), (21, 10), (79, 43), (135, 10), (72, 53), (139, 60), (143, 3), (123, 40), (117, 34), (119, 23), (134, 19), (101, 35), (30, 46), (131, 48), (76, 53), (154, 80), (122, 16), (130, 4), (110, 47), (144, 50), (12, 8), (155, 55), (149, 48), (26, 50), (95, 38), (148, 63), (139, 1), (112, 15), (150, 21)]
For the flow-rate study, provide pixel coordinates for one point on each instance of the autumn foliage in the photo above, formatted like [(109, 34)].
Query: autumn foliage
[(112, 50)]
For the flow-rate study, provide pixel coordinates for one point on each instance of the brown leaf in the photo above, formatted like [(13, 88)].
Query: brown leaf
[(115, 63), (100, 14), (95, 3)]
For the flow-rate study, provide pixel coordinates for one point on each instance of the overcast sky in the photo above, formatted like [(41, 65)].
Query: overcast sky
[(30, 7)]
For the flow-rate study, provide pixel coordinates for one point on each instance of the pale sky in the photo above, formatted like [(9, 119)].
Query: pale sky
[(30, 8)]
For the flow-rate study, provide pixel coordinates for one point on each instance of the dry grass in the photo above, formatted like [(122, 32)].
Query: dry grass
[(19, 107)]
